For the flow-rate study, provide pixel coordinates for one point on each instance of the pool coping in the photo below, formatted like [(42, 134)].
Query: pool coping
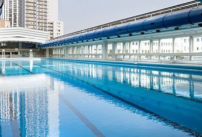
[(125, 63), (142, 64)]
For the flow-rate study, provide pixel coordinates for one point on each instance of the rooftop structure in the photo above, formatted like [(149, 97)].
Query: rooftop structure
[(19, 41), (172, 34), (178, 20), (185, 6), (23, 35)]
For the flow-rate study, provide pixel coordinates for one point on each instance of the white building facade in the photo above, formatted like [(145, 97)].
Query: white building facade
[(18, 42), (174, 45), (55, 28)]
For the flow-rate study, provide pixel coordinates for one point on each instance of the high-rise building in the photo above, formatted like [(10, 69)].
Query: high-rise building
[(12, 11), (55, 28), (33, 14)]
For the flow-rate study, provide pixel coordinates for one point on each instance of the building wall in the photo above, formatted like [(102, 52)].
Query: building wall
[(18, 42), (31, 14), (12, 12), (53, 10), (23, 35), (4, 24), (34, 14), (56, 29)]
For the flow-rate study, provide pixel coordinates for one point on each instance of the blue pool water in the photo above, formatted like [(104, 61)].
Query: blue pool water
[(66, 98)]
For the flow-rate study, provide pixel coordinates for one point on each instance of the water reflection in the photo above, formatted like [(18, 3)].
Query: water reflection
[(174, 96), (34, 105), (178, 84)]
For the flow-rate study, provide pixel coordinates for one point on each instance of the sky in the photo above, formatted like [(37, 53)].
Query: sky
[(82, 14)]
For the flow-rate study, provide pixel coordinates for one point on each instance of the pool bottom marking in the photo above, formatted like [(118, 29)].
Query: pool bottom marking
[(90, 125), (23, 68)]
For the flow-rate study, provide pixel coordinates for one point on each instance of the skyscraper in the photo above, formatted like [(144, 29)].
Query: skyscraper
[(26, 13), (33, 14)]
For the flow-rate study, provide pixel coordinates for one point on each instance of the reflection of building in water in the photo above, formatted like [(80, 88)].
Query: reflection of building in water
[(36, 112), (35, 106), (169, 82), (5, 106)]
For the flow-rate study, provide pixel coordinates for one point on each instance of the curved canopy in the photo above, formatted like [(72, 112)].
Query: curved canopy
[(156, 24)]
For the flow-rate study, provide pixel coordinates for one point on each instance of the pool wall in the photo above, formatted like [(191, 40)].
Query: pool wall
[(132, 64)]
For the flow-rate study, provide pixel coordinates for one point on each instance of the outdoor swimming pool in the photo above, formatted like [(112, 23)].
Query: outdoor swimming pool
[(52, 97)]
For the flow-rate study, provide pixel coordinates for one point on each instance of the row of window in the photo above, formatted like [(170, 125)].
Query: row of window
[(198, 39), (156, 43)]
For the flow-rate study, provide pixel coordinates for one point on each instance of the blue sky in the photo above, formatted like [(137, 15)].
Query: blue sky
[(81, 14)]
